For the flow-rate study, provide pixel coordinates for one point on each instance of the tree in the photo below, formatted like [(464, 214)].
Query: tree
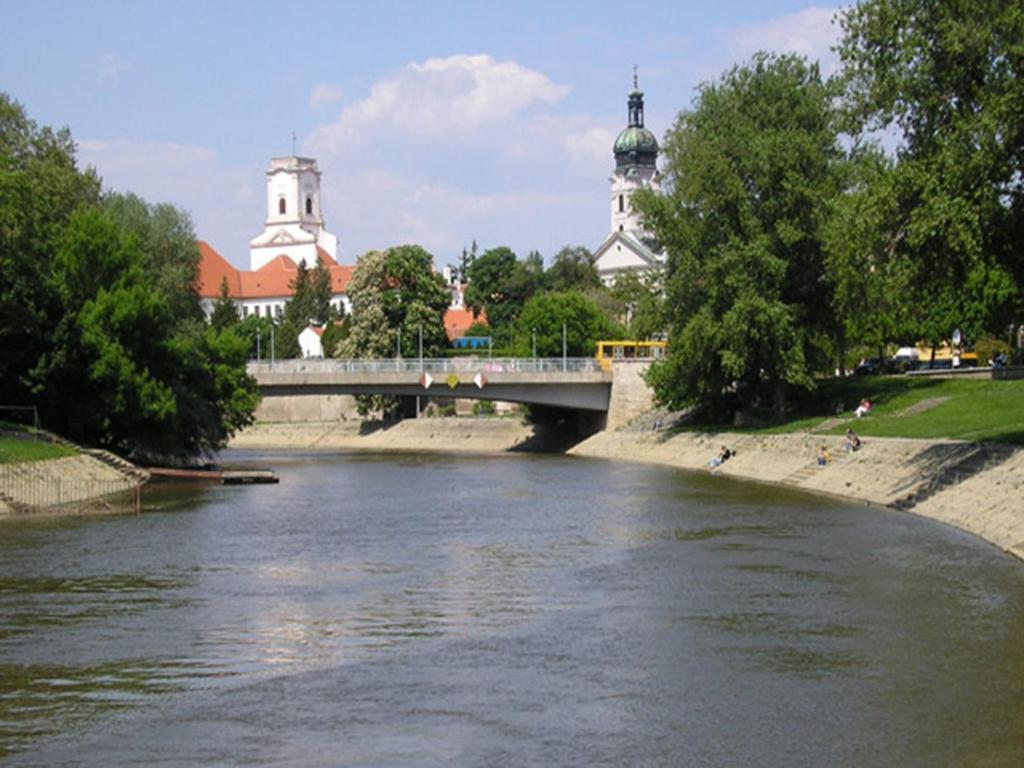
[(310, 304), (121, 368), (640, 303), (40, 187), (397, 298), (948, 79), (225, 311), (752, 169), (542, 320), (500, 284), (572, 269)]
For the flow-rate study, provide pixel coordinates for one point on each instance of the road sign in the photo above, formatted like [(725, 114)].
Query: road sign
[(480, 380), (426, 380), (453, 380)]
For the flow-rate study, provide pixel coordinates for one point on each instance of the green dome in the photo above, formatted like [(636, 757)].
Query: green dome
[(636, 146)]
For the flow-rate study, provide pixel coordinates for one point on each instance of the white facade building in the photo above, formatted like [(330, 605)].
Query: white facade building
[(628, 246), (294, 226)]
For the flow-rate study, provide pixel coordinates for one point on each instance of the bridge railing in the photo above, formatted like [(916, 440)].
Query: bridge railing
[(432, 365)]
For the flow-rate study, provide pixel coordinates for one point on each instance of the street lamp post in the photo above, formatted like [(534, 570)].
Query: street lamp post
[(533, 336), (565, 351), (271, 343), (421, 368), (258, 329)]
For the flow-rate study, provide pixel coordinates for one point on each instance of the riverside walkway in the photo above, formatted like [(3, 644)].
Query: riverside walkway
[(577, 383)]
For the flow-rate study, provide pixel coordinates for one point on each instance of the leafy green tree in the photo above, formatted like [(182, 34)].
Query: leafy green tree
[(500, 284), (254, 330), (310, 304), (640, 304), (225, 311), (40, 187), (948, 79), (572, 269), (395, 294), (543, 317), (752, 169)]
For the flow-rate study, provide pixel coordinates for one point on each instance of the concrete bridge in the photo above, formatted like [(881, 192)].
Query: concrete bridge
[(576, 383)]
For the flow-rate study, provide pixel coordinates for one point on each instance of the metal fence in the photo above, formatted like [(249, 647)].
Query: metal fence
[(429, 365), (21, 485)]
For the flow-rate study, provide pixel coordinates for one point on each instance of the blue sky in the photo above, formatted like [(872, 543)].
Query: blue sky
[(433, 122)]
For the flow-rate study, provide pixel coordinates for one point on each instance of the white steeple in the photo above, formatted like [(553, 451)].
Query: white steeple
[(294, 226)]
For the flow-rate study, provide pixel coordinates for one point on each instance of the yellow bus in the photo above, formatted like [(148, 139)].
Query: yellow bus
[(619, 349)]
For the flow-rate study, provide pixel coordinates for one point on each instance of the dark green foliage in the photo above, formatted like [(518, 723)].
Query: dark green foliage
[(752, 168), (543, 317), (102, 327), (499, 285), (640, 304), (225, 311), (572, 269), (949, 213)]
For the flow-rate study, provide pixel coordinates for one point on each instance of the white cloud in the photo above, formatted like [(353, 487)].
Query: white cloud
[(226, 204), (809, 33), (461, 94), (325, 94), (109, 67)]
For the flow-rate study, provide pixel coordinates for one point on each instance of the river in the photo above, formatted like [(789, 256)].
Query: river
[(505, 610)]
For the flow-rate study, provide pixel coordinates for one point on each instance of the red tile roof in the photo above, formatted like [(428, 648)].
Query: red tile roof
[(213, 268), (272, 280), (457, 321)]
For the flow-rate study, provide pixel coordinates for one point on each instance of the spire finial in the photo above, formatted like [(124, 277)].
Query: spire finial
[(293, 143), (636, 85)]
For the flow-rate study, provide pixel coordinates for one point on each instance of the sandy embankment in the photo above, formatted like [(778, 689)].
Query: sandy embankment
[(71, 484), (989, 504), (427, 434)]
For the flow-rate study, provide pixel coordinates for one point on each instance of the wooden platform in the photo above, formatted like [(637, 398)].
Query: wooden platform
[(222, 476)]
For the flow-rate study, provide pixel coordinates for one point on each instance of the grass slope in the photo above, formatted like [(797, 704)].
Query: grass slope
[(903, 406), (14, 449)]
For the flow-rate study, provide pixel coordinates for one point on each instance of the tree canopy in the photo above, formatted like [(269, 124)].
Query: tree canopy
[(751, 169), (102, 324)]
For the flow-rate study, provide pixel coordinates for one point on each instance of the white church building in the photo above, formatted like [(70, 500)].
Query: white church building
[(629, 247)]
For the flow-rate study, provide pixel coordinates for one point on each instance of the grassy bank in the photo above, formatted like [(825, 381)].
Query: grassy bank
[(15, 449), (903, 406)]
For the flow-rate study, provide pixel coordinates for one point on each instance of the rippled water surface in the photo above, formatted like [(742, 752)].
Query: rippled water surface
[(459, 610)]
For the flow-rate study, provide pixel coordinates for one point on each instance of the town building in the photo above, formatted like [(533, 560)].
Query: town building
[(629, 247)]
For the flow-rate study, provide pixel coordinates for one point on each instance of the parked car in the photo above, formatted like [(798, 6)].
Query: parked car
[(871, 366)]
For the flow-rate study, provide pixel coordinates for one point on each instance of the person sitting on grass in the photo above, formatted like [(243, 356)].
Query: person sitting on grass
[(863, 409), (823, 458)]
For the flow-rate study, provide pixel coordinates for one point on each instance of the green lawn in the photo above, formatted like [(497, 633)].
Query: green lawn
[(13, 449), (904, 406)]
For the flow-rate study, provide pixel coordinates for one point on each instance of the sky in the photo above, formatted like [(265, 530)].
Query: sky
[(433, 122)]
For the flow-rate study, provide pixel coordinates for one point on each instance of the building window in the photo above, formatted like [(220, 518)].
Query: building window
[(620, 227), (309, 206), (256, 309), (281, 208), (245, 311), (622, 204)]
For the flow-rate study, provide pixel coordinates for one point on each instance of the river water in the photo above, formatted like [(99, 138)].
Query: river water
[(505, 610)]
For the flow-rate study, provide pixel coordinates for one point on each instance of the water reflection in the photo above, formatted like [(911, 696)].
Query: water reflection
[(471, 610)]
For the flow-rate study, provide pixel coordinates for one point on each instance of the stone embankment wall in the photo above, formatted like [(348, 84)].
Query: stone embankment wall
[(70, 484), (988, 503)]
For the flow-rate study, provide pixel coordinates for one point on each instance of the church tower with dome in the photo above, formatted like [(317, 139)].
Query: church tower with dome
[(628, 246)]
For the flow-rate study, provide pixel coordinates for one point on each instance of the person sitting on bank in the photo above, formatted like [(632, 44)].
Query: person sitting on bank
[(722, 457), (823, 458), (863, 409), (852, 441)]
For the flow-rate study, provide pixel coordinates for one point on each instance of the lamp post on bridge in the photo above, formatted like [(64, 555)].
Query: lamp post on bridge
[(533, 337), (565, 351), (258, 343), (421, 368)]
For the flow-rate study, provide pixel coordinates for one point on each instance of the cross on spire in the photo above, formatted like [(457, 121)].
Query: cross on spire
[(636, 85)]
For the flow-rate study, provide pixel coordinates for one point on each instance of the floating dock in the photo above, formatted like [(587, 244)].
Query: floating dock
[(222, 476)]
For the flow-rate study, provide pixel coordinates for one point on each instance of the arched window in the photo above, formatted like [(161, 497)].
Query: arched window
[(309, 206), (281, 206), (620, 228), (622, 204)]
